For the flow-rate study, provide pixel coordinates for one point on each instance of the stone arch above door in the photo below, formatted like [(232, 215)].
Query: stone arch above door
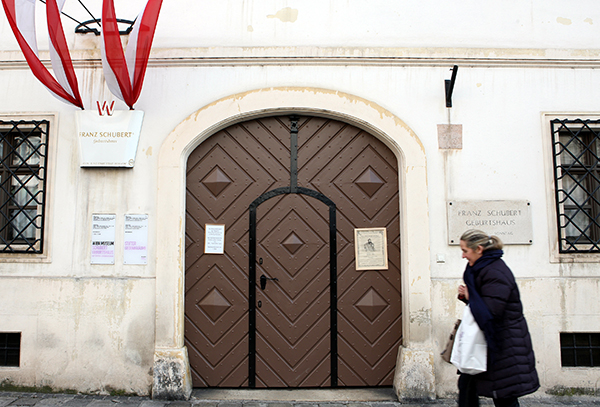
[(171, 368)]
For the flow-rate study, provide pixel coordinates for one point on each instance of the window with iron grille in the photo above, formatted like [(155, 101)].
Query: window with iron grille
[(580, 349), (577, 184), (10, 349), (23, 160)]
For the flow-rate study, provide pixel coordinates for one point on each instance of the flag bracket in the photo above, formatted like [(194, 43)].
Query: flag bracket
[(125, 26)]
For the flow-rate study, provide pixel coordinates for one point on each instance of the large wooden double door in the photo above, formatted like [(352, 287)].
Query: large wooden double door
[(284, 305)]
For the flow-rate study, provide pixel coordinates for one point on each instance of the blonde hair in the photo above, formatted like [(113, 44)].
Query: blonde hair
[(474, 238)]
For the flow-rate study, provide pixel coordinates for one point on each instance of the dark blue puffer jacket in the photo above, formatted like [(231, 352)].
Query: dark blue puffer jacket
[(511, 371)]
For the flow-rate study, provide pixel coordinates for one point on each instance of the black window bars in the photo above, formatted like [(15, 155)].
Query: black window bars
[(580, 349), (10, 349), (576, 155), (23, 161)]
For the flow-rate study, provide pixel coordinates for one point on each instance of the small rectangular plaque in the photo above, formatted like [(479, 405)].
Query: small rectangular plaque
[(509, 220), (214, 239), (370, 249)]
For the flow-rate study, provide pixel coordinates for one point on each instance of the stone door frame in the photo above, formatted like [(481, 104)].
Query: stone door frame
[(414, 377)]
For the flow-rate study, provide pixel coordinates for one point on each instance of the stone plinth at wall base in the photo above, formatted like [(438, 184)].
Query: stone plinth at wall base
[(414, 378), (172, 377)]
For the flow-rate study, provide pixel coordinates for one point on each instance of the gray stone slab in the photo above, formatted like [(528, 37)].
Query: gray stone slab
[(78, 401), (101, 403), (152, 403), (204, 403), (25, 401), (179, 404), (53, 401), (6, 400), (254, 404), (386, 404)]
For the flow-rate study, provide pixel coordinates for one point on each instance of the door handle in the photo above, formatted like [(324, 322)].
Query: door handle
[(263, 281)]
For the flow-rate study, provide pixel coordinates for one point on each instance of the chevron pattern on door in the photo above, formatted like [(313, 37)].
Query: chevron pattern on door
[(225, 174)]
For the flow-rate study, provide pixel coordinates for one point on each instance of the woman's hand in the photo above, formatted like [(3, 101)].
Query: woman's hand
[(463, 292)]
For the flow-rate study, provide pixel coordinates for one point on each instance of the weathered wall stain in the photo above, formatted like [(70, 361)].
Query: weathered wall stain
[(287, 15), (563, 21)]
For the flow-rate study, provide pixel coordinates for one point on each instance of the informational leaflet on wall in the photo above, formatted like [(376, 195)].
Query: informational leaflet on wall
[(214, 239), (103, 238), (136, 239)]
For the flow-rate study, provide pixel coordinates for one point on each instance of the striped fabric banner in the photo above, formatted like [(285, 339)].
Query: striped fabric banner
[(125, 71), (21, 17)]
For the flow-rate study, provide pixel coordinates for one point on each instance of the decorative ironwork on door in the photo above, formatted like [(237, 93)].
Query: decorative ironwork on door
[(293, 189)]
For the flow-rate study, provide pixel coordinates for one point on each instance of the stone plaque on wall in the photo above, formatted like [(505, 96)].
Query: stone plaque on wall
[(449, 136), (509, 220)]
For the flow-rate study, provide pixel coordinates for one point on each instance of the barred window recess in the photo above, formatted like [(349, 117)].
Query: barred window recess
[(23, 159), (10, 349), (580, 349), (577, 183)]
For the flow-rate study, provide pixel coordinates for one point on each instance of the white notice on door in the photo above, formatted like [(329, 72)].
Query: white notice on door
[(103, 238), (136, 239), (214, 239)]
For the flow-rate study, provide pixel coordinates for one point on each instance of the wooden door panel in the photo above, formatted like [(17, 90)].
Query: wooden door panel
[(293, 322), (229, 171), (224, 175), (362, 179)]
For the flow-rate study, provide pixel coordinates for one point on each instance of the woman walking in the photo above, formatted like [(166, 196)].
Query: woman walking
[(493, 296)]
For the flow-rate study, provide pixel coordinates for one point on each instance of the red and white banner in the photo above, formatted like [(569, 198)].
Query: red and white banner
[(124, 72), (21, 17)]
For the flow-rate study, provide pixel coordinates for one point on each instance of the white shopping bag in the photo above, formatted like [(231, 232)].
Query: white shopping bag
[(469, 353)]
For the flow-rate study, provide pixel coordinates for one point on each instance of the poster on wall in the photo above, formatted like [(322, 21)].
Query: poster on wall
[(214, 239), (370, 249), (135, 239), (103, 238)]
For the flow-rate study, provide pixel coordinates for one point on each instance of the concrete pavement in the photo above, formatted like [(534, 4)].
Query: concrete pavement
[(258, 398)]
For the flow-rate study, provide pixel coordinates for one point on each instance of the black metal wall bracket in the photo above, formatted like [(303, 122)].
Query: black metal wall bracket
[(450, 86)]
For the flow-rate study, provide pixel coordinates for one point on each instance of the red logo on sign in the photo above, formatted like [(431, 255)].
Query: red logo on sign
[(105, 108)]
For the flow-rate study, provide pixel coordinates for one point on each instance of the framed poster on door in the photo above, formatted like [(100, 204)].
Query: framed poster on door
[(370, 248)]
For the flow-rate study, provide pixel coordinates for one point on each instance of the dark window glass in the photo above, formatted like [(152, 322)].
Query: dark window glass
[(580, 349), (10, 349), (23, 159)]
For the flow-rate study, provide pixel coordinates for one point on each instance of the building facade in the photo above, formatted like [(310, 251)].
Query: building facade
[(298, 127)]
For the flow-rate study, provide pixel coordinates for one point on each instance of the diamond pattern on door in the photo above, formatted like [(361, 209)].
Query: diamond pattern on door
[(369, 182), (371, 304), (225, 174), (214, 305), (216, 181), (292, 243)]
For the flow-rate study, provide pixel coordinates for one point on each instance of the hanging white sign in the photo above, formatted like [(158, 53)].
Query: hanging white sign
[(108, 140), (103, 238), (136, 239)]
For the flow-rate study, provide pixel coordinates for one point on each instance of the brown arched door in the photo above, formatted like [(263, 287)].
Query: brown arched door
[(290, 192)]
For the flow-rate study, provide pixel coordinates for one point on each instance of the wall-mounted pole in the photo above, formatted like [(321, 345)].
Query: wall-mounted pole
[(450, 86)]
